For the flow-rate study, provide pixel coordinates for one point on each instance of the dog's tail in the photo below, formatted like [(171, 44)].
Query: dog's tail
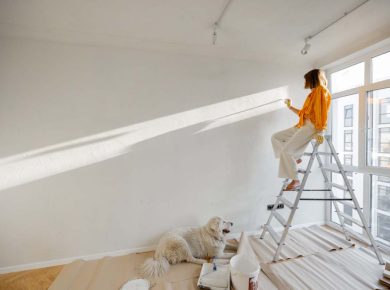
[(155, 267)]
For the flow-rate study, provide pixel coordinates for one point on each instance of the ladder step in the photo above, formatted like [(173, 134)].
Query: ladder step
[(303, 171), (280, 218), (326, 199), (331, 169), (348, 217), (339, 186), (273, 234), (347, 203), (319, 153), (325, 189), (286, 202)]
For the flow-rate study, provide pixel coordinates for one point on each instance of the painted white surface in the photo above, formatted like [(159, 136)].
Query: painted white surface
[(54, 93), (251, 30)]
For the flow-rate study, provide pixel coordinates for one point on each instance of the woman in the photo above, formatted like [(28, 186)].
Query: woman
[(289, 145)]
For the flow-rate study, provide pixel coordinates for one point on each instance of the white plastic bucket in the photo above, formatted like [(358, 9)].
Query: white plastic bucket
[(139, 284), (244, 272)]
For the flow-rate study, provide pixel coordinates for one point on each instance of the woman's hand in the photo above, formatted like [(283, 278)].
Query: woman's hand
[(319, 136), (290, 107), (288, 103)]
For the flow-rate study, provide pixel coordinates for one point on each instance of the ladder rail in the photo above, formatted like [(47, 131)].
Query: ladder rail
[(335, 204), (265, 227), (298, 196), (280, 240), (355, 201)]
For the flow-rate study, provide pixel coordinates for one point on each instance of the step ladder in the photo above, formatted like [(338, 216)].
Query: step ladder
[(293, 206)]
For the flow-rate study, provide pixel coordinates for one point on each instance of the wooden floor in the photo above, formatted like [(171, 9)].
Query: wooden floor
[(39, 279)]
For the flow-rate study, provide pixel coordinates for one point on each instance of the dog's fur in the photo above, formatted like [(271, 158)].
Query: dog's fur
[(193, 245)]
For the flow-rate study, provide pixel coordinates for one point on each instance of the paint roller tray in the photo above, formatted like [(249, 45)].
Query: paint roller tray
[(214, 278)]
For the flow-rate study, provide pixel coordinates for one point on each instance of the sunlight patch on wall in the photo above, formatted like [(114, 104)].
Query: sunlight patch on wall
[(55, 159), (262, 103)]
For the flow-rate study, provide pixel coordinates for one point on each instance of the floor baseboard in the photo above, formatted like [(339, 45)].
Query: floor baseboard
[(64, 261)]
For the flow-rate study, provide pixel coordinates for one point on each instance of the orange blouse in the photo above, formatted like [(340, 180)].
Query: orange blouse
[(316, 108)]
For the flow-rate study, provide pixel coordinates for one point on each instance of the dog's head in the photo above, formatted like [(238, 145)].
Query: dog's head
[(219, 227)]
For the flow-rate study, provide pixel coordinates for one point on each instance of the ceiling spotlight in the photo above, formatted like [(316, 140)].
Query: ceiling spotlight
[(306, 48)]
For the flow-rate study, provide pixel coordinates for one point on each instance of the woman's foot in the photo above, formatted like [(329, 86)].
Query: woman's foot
[(293, 185), (299, 160)]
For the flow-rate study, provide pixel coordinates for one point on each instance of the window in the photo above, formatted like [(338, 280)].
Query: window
[(344, 112), (378, 127), (357, 184), (381, 208), (348, 211), (348, 140), (384, 111), (360, 129), (348, 78), (384, 161), (384, 178), (348, 115), (348, 161), (381, 67), (384, 197), (383, 227), (384, 140)]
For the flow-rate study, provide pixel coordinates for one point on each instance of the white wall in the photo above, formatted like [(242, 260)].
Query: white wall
[(54, 92)]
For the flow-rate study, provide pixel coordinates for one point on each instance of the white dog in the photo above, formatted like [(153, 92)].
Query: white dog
[(193, 245)]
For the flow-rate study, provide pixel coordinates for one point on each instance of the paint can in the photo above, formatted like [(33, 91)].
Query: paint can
[(244, 272)]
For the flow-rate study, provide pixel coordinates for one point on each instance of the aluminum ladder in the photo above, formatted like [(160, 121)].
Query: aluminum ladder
[(293, 206)]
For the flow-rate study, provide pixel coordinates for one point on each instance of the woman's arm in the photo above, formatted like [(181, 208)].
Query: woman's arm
[(321, 109), (288, 103), (295, 110)]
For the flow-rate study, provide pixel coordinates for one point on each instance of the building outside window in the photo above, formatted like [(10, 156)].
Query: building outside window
[(384, 197), (384, 140), (348, 143), (348, 161), (348, 116), (384, 111)]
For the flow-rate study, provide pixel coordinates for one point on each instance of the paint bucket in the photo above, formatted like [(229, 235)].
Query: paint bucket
[(138, 284), (244, 272)]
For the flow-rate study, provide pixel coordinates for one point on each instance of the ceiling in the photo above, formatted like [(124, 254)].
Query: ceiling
[(257, 30)]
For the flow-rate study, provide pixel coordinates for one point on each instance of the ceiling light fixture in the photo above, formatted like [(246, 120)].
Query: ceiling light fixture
[(306, 48), (218, 21)]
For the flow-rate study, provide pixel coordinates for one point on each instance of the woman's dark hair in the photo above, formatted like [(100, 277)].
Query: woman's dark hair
[(312, 79)]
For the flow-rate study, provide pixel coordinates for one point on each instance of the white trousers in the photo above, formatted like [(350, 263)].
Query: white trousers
[(289, 145)]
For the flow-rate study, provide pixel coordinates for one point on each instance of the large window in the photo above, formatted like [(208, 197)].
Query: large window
[(348, 78), (378, 127), (384, 111), (360, 128), (380, 188), (381, 67), (345, 126)]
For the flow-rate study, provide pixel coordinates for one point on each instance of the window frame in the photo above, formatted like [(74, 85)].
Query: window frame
[(362, 167)]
